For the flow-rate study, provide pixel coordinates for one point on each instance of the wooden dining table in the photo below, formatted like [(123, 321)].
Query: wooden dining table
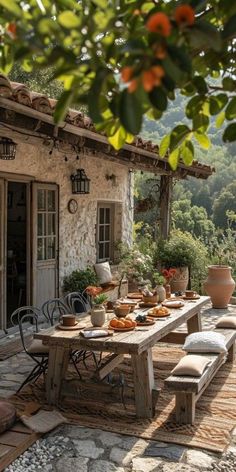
[(137, 344)]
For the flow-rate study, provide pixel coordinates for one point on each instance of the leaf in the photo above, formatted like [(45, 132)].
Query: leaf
[(129, 138), (193, 106), (11, 6), (203, 140), (230, 133), (118, 139), (187, 152), (217, 102), (200, 122), (64, 102), (174, 159), (130, 112), (230, 112), (229, 28), (203, 34), (220, 119), (200, 84), (177, 135), (68, 19), (158, 98), (94, 96), (229, 84), (164, 145)]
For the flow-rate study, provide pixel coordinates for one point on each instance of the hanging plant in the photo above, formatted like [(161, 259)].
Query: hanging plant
[(145, 204)]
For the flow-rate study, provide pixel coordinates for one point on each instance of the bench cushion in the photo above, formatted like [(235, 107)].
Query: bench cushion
[(192, 364), (103, 272), (226, 322), (205, 341)]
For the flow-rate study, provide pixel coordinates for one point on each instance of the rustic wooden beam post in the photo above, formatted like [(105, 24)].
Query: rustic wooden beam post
[(165, 201)]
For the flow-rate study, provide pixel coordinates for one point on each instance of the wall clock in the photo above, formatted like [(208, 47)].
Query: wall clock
[(72, 206)]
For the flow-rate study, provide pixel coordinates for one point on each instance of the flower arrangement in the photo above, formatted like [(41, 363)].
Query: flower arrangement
[(168, 274), (135, 264), (97, 298)]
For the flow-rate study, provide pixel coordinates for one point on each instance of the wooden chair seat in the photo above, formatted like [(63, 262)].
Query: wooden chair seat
[(189, 389)]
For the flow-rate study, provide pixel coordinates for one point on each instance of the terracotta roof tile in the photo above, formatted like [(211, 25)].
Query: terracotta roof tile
[(40, 102)]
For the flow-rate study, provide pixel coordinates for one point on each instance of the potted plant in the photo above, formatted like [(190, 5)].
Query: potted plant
[(178, 252), (77, 281), (98, 311), (134, 265)]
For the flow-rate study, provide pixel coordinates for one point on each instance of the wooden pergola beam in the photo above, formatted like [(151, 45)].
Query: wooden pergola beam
[(166, 185)]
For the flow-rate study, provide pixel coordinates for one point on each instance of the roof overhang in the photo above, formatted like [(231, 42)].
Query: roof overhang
[(25, 124)]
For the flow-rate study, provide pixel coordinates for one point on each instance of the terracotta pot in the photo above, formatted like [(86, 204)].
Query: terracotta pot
[(180, 280), (98, 315), (219, 285)]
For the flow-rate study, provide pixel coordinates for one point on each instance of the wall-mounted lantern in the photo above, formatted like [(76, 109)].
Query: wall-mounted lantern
[(7, 149), (80, 182)]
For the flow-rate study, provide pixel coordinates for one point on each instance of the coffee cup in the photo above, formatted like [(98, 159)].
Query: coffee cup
[(190, 293), (68, 320)]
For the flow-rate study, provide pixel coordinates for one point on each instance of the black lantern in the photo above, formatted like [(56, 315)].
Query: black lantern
[(7, 149), (80, 182)]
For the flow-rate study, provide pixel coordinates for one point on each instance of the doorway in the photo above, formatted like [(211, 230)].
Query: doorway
[(16, 247)]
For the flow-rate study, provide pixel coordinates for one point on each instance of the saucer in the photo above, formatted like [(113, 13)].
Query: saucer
[(77, 325), (194, 297)]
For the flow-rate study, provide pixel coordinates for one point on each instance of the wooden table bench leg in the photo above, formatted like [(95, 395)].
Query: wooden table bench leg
[(231, 354), (194, 324), (143, 383), (57, 366), (185, 407)]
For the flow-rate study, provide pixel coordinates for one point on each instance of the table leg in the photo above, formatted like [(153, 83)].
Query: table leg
[(57, 366), (143, 383), (194, 324)]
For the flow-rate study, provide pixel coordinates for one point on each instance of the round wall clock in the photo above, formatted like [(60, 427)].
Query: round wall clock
[(72, 206)]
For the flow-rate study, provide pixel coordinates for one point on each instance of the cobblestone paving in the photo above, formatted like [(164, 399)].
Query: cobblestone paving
[(80, 449)]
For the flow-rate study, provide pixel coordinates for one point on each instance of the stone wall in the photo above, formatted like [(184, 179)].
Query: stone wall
[(77, 232)]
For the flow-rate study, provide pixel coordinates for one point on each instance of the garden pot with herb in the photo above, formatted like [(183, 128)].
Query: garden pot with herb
[(98, 311)]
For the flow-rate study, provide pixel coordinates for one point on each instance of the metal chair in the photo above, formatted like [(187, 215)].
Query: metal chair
[(77, 300), (36, 350), (53, 309)]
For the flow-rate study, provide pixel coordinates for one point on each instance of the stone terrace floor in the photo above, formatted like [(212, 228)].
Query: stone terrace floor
[(80, 449)]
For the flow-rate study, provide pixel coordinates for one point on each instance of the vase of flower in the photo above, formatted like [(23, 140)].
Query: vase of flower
[(98, 311), (168, 274)]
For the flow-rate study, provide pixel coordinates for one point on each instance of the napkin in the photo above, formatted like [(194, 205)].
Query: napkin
[(95, 333)]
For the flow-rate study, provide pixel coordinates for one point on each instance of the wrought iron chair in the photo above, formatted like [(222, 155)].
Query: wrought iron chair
[(77, 300), (36, 350), (53, 309)]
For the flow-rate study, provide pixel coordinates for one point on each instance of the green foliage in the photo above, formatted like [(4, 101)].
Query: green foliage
[(100, 299), (88, 44), (178, 251), (158, 278), (79, 280)]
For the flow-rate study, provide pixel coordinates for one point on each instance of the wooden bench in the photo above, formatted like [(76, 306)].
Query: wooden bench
[(189, 389)]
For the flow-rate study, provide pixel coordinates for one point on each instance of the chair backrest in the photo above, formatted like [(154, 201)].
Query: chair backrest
[(77, 302), (53, 309), (21, 312)]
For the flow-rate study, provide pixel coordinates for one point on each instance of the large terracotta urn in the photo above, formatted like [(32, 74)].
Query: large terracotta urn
[(180, 280), (219, 285)]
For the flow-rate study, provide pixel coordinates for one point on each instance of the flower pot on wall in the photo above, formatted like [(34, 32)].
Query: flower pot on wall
[(179, 282), (219, 285)]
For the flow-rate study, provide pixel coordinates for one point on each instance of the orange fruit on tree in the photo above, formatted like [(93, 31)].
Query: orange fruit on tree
[(184, 15), (159, 23), (126, 73)]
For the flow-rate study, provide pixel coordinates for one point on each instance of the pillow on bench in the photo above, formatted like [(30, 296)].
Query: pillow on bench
[(205, 341), (226, 322), (191, 365), (103, 272)]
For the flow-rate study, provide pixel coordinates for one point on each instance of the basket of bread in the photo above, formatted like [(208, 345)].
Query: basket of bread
[(158, 311)]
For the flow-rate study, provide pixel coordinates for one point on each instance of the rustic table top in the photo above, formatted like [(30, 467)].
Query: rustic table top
[(128, 342)]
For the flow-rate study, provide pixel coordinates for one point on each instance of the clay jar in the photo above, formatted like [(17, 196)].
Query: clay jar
[(98, 315), (219, 285), (180, 280)]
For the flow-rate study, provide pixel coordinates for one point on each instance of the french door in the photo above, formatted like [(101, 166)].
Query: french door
[(2, 253), (45, 242)]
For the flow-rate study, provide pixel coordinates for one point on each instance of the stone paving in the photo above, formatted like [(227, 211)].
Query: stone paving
[(81, 449)]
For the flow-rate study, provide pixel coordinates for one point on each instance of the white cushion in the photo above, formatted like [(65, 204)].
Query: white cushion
[(193, 365), (205, 341), (226, 322), (103, 272)]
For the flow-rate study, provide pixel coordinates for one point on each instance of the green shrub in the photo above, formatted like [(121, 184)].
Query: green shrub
[(78, 280)]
